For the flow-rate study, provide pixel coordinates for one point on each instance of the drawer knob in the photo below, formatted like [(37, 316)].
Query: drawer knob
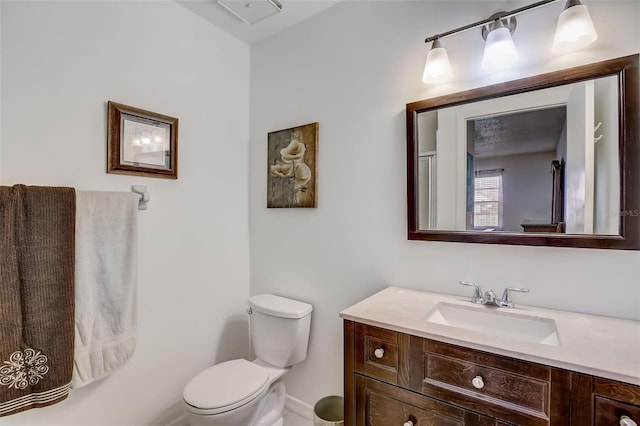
[(477, 382), (626, 421), (379, 353), (410, 421)]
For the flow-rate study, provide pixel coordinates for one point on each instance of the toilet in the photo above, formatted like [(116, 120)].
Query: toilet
[(250, 393)]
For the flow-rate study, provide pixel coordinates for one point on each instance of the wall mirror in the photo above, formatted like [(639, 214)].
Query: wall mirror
[(548, 160)]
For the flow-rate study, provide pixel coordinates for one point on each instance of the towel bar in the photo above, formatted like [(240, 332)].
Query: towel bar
[(145, 197)]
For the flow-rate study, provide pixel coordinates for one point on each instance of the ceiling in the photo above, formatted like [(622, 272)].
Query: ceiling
[(519, 133), (292, 13)]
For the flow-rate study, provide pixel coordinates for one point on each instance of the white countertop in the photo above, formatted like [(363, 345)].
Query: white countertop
[(596, 345)]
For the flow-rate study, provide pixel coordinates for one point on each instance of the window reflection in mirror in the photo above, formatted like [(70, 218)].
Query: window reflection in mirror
[(542, 161)]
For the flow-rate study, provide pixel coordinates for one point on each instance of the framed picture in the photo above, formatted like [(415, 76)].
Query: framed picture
[(141, 143), (292, 163)]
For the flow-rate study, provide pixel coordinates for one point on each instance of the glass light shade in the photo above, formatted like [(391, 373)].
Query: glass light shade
[(437, 69), (575, 30), (499, 50)]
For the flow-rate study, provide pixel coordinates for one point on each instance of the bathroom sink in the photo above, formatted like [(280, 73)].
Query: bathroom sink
[(494, 322)]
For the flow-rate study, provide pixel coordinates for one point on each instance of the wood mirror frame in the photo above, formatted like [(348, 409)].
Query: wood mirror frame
[(626, 69)]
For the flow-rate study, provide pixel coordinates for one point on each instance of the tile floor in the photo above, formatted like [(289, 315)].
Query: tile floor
[(293, 419)]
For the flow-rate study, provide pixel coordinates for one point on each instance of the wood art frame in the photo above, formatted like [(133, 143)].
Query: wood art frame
[(141, 143), (292, 154)]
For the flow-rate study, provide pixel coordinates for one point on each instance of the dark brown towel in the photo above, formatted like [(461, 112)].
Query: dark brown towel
[(37, 235)]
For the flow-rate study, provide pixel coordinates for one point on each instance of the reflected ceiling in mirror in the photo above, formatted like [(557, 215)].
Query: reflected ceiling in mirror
[(519, 132), (548, 160)]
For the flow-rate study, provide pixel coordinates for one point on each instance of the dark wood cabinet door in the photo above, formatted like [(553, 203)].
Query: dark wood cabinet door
[(381, 354), (380, 404), (609, 412), (601, 402), (509, 389)]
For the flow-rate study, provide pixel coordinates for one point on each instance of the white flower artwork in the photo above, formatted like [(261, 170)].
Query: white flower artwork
[(292, 167)]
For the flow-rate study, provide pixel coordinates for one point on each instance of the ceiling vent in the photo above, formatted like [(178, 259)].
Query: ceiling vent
[(252, 11)]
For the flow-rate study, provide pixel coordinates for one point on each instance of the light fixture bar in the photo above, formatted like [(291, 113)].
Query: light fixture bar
[(489, 20)]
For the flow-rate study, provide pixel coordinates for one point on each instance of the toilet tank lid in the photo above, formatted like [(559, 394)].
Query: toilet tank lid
[(279, 306)]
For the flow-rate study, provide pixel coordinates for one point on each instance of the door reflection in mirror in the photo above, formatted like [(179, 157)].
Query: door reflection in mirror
[(555, 150)]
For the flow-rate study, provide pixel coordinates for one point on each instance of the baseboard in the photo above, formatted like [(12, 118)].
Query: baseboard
[(291, 404), (170, 416), (299, 407), (180, 420)]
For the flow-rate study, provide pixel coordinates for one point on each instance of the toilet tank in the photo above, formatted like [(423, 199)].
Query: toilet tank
[(279, 329)]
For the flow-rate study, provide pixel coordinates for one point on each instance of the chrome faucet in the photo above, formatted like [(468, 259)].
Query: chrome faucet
[(477, 297), (490, 298)]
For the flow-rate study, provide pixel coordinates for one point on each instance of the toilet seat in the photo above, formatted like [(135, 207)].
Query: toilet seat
[(225, 387)]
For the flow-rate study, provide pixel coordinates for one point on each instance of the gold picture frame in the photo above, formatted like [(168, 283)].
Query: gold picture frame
[(141, 143)]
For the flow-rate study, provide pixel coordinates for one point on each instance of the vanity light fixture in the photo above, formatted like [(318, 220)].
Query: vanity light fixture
[(575, 28), (437, 69), (499, 50), (574, 31)]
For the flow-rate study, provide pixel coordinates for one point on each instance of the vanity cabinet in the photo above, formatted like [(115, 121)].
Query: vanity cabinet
[(600, 402), (383, 404), (393, 378)]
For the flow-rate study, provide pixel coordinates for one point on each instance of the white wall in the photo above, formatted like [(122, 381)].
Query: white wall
[(61, 62), (451, 176), (607, 181), (579, 169), (353, 68)]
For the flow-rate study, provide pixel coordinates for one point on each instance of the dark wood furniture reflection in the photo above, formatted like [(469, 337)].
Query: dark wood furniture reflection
[(393, 378), (557, 203), (557, 194), (543, 227)]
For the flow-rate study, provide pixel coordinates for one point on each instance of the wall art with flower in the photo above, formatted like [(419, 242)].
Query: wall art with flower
[(292, 180)]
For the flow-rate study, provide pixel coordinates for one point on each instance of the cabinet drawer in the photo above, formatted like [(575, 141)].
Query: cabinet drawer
[(381, 354), (380, 404), (608, 412), (505, 388)]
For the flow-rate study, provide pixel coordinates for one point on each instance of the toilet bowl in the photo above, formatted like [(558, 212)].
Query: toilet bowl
[(247, 393), (244, 393)]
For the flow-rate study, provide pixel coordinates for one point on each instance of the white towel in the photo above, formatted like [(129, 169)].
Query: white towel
[(106, 281)]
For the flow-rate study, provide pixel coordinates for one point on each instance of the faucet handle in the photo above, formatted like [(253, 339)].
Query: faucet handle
[(506, 296), (477, 294)]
